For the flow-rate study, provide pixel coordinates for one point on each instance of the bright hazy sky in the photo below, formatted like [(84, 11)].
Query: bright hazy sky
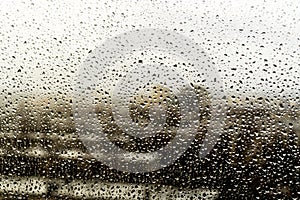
[(42, 43)]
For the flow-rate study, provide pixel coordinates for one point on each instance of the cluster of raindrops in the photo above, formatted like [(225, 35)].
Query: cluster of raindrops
[(254, 46)]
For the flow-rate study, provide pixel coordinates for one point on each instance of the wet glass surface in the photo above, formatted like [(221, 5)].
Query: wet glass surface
[(149, 100)]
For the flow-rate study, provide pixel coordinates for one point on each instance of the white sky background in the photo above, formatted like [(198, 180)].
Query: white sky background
[(266, 33)]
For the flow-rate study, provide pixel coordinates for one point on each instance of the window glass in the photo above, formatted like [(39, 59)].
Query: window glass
[(149, 99)]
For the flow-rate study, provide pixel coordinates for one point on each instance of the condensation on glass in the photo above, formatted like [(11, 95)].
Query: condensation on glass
[(149, 100)]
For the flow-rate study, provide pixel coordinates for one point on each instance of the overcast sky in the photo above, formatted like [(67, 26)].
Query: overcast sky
[(255, 45)]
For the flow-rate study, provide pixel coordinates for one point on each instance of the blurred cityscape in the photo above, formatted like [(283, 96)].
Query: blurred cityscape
[(257, 155)]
